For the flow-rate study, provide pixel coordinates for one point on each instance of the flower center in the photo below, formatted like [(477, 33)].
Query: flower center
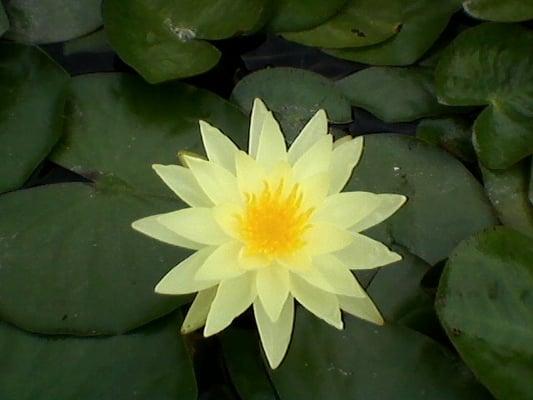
[(274, 222)]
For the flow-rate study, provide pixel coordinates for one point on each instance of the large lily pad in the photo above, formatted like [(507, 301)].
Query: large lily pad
[(30, 111), (501, 11), (359, 23), (485, 304), (422, 22), (4, 22), (445, 202), (294, 95), (47, 21), (151, 363), (475, 70)]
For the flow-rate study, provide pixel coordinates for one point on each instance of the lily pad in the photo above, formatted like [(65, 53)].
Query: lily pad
[(48, 21), (445, 202), (149, 363), (508, 192), (394, 94), (30, 111), (485, 302), (294, 95), (422, 22), (474, 70), (501, 11), (359, 23), (4, 22), (93, 43)]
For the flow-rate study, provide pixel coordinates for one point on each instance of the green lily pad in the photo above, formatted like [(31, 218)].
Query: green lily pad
[(95, 42), (445, 202), (474, 70), (297, 15), (485, 302), (359, 23), (422, 22), (4, 22), (501, 11), (168, 40), (30, 111), (151, 363), (48, 21), (508, 192), (294, 95), (531, 183), (453, 134), (394, 94)]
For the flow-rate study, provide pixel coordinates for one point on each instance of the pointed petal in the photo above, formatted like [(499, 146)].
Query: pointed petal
[(315, 190), (361, 307), (324, 238), (222, 264), (197, 314), (196, 224), (259, 113), (316, 160), (342, 140), (227, 217), (323, 304), (347, 208), (233, 297), (386, 205), (183, 183), (272, 289), (345, 158), (310, 134), (366, 253), (219, 148), (297, 260), (151, 227), (250, 175), (275, 336), (271, 149), (180, 279)]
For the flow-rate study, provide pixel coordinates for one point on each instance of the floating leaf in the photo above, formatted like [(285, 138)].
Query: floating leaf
[(95, 42), (48, 21), (502, 11), (151, 363), (485, 304), (4, 22), (475, 70), (30, 111)]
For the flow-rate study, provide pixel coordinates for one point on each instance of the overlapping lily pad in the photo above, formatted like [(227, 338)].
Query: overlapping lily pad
[(30, 111), (47, 21), (151, 363), (485, 304), (475, 70), (501, 11)]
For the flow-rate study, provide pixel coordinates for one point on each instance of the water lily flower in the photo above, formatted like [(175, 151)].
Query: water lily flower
[(269, 227)]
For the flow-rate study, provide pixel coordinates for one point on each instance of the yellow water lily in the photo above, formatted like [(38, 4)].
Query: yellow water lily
[(269, 227)]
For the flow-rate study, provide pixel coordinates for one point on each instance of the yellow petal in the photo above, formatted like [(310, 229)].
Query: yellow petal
[(315, 190), (323, 304), (275, 336), (271, 149), (180, 279), (324, 238), (310, 134), (345, 158), (183, 183), (151, 227), (196, 224), (251, 262), (227, 217), (386, 205), (342, 140), (316, 160), (250, 175), (259, 113), (219, 148), (366, 253), (347, 208), (361, 307), (272, 289), (217, 182), (197, 314), (233, 297), (297, 261), (222, 264)]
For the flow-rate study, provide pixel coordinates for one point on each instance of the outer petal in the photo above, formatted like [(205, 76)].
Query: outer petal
[(259, 113), (222, 264), (362, 307), (275, 336), (345, 158), (233, 297), (310, 134), (324, 238), (197, 314), (180, 279), (271, 149), (151, 227), (272, 289), (323, 304), (347, 208), (386, 205), (250, 175), (315, 189), (316, 160), (183, 183), (219, 148), (366, 253), (196, 224)]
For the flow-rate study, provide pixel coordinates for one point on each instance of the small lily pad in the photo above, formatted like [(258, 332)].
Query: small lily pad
[(500, 11)]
